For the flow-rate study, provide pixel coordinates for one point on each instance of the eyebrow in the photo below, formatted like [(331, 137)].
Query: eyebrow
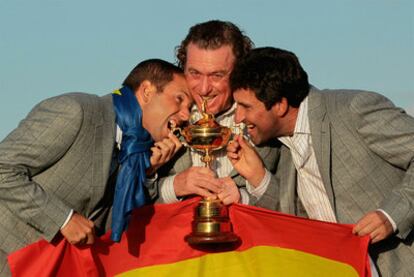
[(243, 104), (188, 94), (222, 71)]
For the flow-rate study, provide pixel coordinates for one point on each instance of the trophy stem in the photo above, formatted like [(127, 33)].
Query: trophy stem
[(207, 158)]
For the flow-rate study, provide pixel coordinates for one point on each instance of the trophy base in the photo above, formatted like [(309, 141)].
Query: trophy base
[(202, 239), (211, 225)]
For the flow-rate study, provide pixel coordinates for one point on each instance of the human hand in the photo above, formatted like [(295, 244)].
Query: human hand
[(375, 224), (230, 192), (162, 152), (245, 160), (197, 180), (79, 230)]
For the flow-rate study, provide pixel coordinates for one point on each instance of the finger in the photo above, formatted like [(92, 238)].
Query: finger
[(364, 230), (210, 186), (205, 193), (155, 155), (243, 143), (233, 146), (176, 141), (169, 143), (233, 156), (164, 146), (170, 148), (375, 236), (81, 241), (361, 224), (90, 239), (223, 195), (229, 199), (226, 200), (205, 171), (206, 183), (80, 238)]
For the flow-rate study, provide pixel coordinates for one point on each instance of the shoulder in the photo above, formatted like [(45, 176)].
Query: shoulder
[(346, 101), (71, 105), (70, 99)]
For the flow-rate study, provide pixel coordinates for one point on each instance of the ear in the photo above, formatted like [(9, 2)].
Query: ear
[(145, 92), (281, 108)]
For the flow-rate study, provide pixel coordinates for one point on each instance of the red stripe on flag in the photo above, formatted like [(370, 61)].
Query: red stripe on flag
[(156, 236)]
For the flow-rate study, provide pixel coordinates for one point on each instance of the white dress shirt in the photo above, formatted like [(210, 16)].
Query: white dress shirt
[(311, 190)]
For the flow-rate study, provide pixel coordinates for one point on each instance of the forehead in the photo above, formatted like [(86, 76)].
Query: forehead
[(209, 60), (178, 84), (245, 96)]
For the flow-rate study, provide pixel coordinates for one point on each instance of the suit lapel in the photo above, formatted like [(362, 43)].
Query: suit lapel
[(321, 139), (287, 177)]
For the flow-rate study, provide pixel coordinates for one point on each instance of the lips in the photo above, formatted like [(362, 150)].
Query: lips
[(250, 127)]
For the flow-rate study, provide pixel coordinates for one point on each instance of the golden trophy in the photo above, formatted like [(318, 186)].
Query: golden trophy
[(211, 223)]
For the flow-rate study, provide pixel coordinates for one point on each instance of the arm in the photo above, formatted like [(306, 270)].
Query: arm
[(192, 181), (179, 179), (246, 161), (39, 141), (161, 153), (389, 133)]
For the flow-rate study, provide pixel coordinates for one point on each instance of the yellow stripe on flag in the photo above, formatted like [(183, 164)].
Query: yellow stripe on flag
[(256, 261)]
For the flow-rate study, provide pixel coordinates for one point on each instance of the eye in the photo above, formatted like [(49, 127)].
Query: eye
[(194, 74), (243, 106), (217, 76), (179, 99)]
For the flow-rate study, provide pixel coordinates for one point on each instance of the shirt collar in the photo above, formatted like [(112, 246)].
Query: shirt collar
[(302, 120)]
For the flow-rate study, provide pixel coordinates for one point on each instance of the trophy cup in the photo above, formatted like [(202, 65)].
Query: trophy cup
[(211, 223)]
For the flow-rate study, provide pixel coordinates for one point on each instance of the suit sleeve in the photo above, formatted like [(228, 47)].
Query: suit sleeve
[(269, 199), (39, 141), (166, 174), (389, 132)]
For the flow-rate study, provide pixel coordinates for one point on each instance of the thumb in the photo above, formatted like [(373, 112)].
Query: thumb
[(243, 143)]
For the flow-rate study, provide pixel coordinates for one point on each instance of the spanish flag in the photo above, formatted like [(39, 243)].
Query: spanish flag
[(272, 244)]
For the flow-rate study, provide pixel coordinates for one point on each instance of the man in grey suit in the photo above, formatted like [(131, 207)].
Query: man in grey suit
[(207, 55), (58, 167), (345, 156)]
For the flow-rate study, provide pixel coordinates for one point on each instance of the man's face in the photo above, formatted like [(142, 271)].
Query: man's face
[(172, 104), (262, 125), (207, 73)]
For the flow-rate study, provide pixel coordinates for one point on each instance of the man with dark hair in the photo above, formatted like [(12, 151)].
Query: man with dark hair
[(345, 156), (77, 158), (208, 54)]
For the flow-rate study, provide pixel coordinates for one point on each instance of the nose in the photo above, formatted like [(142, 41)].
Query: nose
[(239, 115), (205, 86)]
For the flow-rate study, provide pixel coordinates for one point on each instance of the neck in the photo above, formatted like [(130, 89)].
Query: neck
[(289, 121)]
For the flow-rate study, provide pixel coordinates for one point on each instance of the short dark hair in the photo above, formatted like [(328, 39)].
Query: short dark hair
[(271, 73), (158, 72), (212, 35)]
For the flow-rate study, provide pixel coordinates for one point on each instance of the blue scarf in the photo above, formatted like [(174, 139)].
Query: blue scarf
[(134, 159)]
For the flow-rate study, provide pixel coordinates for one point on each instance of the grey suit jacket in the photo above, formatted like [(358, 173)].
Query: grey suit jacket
[(364, 147), (57, 159)]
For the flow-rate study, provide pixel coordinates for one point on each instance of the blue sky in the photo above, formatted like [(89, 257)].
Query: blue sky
[(48, 47)]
